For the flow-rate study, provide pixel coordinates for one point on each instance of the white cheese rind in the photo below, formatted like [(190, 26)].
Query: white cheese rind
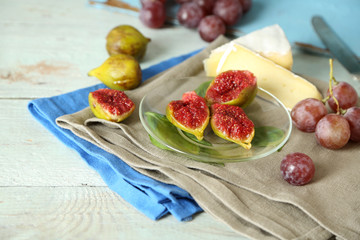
[(266, 41), (269, 42)]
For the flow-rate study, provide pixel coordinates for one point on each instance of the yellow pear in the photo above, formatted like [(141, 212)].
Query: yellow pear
[(120, 72)]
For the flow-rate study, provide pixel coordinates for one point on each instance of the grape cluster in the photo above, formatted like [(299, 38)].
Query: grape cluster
[(209, 17), (152, 13), (334, 129)]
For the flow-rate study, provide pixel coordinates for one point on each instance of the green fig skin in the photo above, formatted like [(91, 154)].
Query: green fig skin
[(111, 105), (119, 72), (233, 87), (231, 123), (191, 108), (126, 39)]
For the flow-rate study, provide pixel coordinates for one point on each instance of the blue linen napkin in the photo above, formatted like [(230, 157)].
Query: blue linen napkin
[(153, 198)]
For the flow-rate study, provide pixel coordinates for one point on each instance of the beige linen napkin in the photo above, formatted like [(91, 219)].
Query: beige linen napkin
[(250, 197)]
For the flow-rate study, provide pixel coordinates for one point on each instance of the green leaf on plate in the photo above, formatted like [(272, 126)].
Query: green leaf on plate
[(201, 89), (267, 136), (168, 133), (158, 144), (194, 138)]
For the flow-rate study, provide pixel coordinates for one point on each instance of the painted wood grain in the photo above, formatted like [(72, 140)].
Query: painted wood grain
[(49, 47), (46, 190), (32, 156), (92, 213)]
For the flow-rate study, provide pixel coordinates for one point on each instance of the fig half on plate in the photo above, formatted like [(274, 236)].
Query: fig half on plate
[(231, 123), (232, 87), (190, 114)]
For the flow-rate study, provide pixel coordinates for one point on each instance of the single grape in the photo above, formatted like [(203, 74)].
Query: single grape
[(297, 168), (211, 27), (206, 5), (306, 114), (183, 1), (345, 94), (246, 5), (144, 3), (190, 15), (230, 11), (332, 131), (352, 115), (152, 14)]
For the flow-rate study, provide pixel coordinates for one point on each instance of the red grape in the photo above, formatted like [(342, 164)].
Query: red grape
[(211, 27), (152, 14), (144, 3), (352, 115), (332, 131), (345, 94), (228, 10), (297, 168), (206, 5), (246, 5), (183, 1), (190, 14), (306, 114)]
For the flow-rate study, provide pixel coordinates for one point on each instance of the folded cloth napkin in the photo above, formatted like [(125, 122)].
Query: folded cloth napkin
[(151, 197), (250, 197)]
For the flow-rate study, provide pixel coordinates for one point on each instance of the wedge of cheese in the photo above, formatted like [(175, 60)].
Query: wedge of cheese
[(288, 87), (270, 42)]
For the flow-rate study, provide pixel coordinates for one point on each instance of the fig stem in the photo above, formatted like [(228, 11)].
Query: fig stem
[(330, 86)]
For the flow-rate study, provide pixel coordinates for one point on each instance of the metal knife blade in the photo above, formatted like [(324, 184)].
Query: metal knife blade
[(336, 46)]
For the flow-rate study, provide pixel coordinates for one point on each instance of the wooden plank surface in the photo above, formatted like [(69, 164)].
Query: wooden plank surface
[(31, 156), (91, 213), (46, 190), (49, 47)]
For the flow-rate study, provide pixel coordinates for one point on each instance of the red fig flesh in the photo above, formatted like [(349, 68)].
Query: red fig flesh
[(232, 87), (111, 104), (231, 123), (190, 114)]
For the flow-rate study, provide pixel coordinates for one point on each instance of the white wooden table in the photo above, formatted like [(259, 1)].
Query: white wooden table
[(46, 190)]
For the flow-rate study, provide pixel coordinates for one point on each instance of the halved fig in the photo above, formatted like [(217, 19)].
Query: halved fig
[(190, 114), (232, 87), (231, 123), (110, 104)]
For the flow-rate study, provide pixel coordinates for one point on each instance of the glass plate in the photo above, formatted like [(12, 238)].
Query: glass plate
[(271, 119)]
